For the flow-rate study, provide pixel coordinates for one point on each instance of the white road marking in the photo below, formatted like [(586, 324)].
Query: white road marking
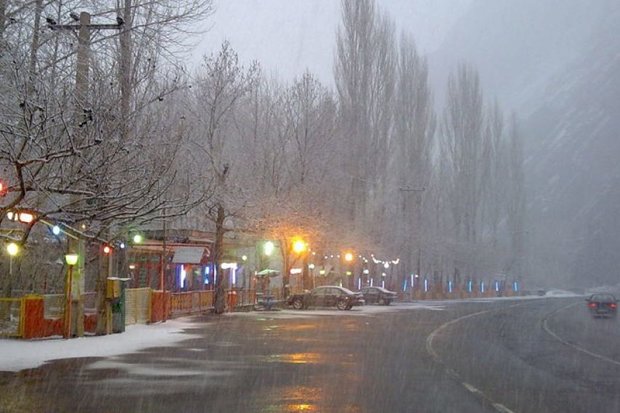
[(501, 408), (471, 388), (574, 346), (430, 350)]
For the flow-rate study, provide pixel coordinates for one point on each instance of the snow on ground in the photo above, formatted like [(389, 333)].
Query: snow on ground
[(17, 355), (561, 293), (366, 310)]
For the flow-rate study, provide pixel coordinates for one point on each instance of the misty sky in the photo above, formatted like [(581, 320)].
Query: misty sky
[(288, 36)]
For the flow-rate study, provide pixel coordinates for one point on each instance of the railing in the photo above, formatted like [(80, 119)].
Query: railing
[(54, 305), (11, 323), (137, 305), (191, 302), (250, 297), (90, 302)]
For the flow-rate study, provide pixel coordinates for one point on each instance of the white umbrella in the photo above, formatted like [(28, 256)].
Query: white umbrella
[(268, 273)]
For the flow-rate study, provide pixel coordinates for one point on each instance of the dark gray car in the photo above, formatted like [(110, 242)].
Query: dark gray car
[(326, 296), (378, 295), (602, 305)]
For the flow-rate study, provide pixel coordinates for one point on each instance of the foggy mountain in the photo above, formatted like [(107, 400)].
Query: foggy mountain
[(557, 63)]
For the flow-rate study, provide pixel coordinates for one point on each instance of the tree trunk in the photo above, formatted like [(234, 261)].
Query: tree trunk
[(220, 283)]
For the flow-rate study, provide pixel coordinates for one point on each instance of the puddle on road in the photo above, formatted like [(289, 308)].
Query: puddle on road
[(294, 358)]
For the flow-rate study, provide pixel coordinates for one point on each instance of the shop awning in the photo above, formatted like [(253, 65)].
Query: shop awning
[(188, 255)]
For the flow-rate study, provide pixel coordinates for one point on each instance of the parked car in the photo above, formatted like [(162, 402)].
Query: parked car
[(326, 296), (378, 295), (602, 305)]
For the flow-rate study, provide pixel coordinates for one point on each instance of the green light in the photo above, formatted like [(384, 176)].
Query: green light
[(138, 238), (71, 259)]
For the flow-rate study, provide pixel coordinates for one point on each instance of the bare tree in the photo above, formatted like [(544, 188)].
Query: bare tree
[(463, 151), (91, 154), (220, 85), (516, 200), (411, 157), (365, 77)]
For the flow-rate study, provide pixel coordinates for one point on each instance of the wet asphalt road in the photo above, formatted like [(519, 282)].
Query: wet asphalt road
[(545, 355)]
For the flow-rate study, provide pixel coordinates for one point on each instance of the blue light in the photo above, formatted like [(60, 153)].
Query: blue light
[(470, 286), (515, 286), (481, 286), (182, 276), (56, 230), (497, 286), (425, 285), (449, 286), (405, 286)]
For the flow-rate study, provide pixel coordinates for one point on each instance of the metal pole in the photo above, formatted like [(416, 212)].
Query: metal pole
[(68, 303), (164, 266)]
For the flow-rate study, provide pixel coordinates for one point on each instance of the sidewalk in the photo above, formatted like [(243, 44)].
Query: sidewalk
[(17, 355)]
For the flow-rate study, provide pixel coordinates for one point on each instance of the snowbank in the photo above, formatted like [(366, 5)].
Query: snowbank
[(17, 355)]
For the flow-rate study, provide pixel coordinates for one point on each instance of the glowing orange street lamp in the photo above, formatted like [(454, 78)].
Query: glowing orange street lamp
[(299, 246), (348, 257)]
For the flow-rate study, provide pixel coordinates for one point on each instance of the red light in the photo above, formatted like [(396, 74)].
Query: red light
[(592, 305), (107, 249), (613, 305), (3, 189)]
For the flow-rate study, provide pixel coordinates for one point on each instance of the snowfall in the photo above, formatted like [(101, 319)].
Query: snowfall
[(17, 355)]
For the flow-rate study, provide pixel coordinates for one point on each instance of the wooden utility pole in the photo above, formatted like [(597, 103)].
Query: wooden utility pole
[(84, 27)]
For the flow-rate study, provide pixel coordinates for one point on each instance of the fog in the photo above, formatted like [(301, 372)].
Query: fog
[(287, 37), (554, 63)]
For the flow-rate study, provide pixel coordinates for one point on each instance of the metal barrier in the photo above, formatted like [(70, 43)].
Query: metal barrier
[(11, 320), (137, 305)]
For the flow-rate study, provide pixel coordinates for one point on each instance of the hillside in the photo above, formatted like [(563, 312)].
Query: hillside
[(557, 63)]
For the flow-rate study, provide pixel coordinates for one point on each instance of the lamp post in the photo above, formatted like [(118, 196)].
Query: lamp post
[(348, 257), (312, 277), (71, 259)]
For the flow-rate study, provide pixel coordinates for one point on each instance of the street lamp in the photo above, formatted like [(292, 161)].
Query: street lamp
[(71, 259), (268, 248), (13, 249), (299, 246)]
